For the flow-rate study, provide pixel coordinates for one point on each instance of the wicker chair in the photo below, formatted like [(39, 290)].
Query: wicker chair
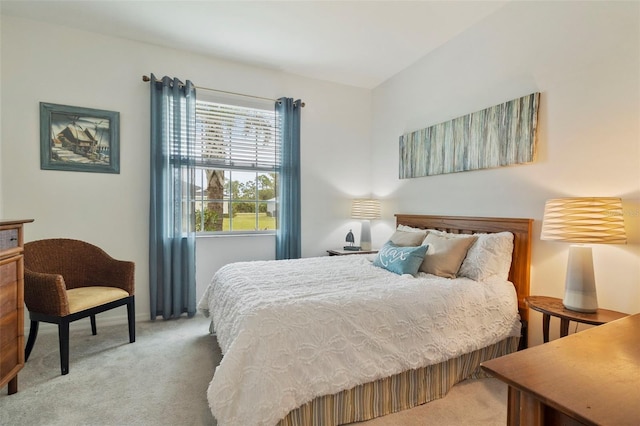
[(66, 280)]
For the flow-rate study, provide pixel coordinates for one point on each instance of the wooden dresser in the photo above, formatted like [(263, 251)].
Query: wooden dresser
[(11, 302)]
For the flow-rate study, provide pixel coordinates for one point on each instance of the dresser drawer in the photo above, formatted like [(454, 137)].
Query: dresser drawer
[(9, 358), (8, 299), (9, 286), (9, 239), (8, 328), (9, 271)]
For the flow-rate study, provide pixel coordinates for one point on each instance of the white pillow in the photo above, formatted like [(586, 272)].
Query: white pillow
[(490, 256), (406, 228)]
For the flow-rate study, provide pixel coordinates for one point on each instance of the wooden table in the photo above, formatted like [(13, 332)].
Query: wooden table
[(587, 378), (341, 252), (551, 306)]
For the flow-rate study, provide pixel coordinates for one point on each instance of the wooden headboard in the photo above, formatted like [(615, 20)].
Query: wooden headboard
[(520, 228)]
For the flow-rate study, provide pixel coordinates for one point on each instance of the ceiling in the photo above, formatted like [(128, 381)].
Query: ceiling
[(358, 43)]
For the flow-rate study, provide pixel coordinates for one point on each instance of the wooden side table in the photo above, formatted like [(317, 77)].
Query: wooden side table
[(553, 307), (340, 252)]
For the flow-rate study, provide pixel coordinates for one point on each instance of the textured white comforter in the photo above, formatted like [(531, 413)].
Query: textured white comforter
[(292, 330)]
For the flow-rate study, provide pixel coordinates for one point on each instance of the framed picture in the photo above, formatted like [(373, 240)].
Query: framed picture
[(79, 139)]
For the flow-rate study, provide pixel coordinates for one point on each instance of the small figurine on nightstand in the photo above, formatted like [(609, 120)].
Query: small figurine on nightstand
[(351, 239)]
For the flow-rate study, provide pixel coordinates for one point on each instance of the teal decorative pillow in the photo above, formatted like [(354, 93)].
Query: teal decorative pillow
[(400, 260)]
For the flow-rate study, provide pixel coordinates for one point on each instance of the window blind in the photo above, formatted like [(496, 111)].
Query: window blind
[(235, 137)]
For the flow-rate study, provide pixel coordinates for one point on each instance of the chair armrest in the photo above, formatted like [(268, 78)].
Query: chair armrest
[(116, 273), (45, 293)]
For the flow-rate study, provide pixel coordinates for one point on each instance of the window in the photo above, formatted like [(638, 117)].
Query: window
[(237, 153)]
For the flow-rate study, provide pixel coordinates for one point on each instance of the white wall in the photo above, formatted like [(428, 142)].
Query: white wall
[(584, 59), (45, 63)]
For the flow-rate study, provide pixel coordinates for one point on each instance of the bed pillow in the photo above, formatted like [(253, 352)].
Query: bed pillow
[(445, 254), (400, 260), (406, 228), (408, 239), (490, 256)]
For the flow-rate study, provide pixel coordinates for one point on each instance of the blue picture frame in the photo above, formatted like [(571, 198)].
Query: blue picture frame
[(79, 139)]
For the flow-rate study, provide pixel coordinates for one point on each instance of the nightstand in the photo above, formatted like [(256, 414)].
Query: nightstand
[(341, 252), (553, 307)]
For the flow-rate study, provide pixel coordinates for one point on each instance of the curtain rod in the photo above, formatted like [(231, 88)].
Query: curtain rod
[(147, 79)]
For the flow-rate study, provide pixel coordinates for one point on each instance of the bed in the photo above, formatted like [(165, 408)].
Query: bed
[(310, 341)]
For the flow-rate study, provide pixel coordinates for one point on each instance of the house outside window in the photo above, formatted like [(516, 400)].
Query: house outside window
[(237, 151)]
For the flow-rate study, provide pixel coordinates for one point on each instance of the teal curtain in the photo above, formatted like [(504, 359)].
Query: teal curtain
[(172, 262), (288, 238)]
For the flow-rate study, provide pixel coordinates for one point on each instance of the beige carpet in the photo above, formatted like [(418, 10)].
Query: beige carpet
[(162, 379)]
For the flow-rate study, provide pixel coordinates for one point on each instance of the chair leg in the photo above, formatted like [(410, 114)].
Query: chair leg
[(131, 315), (63, 337), (33, 333), (94, 331)]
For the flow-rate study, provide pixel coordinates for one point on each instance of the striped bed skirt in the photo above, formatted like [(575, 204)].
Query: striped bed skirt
[(396, 393)]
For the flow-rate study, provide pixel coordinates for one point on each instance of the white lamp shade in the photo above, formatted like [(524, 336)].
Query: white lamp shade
[(584, 220), (365, 209)]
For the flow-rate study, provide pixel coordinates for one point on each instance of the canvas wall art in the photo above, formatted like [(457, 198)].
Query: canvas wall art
[(498, 136)]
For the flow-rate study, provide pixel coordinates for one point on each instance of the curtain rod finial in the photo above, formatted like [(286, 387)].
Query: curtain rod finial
[(145, 78)]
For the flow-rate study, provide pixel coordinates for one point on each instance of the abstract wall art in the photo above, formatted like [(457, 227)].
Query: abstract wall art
[(498, 136)]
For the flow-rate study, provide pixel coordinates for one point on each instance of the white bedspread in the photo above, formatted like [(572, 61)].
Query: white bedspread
[(293, 330)]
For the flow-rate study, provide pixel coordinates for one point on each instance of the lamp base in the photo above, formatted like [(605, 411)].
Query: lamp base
[(365, 236), (573, 303), (580, 285)]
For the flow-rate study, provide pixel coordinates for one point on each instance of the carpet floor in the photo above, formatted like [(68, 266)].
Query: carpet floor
[(162, 379)]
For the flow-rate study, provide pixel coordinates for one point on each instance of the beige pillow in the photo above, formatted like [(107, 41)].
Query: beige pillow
[(408, 239), (445, 255)]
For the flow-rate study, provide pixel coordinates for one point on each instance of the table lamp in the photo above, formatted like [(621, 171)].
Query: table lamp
[(365, 209), (583, 221)]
